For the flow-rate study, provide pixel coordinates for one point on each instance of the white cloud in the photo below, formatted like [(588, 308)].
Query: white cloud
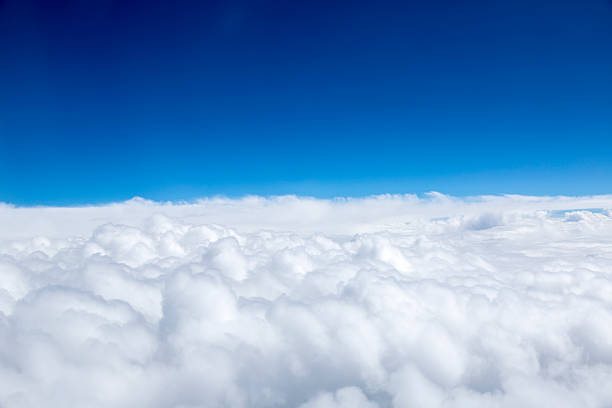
[(386, 301)]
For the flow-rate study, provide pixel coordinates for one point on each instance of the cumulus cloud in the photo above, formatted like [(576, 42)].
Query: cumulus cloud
[(386, 301)]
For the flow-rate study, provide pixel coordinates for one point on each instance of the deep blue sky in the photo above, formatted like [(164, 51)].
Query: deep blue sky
[(102, 100)]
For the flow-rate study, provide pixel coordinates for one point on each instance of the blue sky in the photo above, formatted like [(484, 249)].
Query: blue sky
[(104, 100)]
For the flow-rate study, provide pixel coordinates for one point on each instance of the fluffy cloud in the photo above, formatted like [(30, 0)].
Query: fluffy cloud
[(386, 301)]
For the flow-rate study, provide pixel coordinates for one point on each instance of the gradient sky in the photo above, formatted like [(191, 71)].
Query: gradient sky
[(102, 100)]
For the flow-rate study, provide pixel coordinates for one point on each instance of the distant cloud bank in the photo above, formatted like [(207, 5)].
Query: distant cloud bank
[(386, 301)]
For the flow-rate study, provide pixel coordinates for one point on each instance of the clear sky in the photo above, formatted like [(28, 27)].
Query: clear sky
[(102, 100)]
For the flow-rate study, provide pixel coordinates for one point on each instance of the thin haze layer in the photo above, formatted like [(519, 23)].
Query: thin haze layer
[(388, 301)]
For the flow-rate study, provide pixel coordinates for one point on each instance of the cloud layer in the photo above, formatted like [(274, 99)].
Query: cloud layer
[(387, 301)]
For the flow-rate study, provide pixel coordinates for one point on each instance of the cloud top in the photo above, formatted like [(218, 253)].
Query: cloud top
[(386, 301)]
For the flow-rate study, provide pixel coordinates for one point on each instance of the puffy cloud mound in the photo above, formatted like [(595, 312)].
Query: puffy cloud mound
[(386, 301)]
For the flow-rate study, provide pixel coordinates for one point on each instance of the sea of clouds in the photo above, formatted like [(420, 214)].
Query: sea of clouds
[(385, 301)]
